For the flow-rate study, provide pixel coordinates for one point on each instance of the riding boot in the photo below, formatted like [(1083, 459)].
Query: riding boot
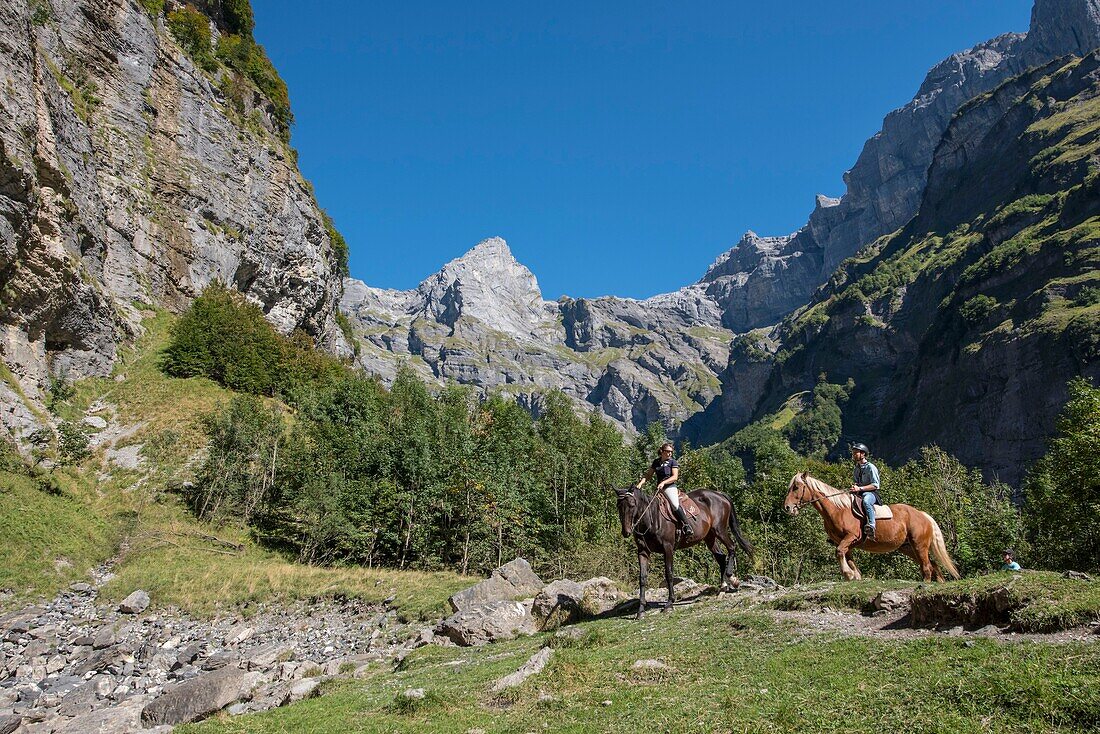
[(685, 524)]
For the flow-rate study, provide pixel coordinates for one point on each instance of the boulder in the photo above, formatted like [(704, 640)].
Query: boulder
[(9, 723), (136, 603), (122, 719), (533, 666), (488, 622), (305, 688), (1077, 576), (513, 580), (890, 601), (196, 698), (558, 604), (600, 595)]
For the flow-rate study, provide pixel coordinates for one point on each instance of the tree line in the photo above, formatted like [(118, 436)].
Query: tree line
[(326, 463)]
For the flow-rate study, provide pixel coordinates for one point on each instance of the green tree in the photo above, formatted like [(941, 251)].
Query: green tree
[(192, 29), (1062, 490), (816, 430)]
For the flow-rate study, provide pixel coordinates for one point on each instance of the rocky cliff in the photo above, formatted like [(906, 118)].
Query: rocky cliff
[(133, 172), (963, 327)]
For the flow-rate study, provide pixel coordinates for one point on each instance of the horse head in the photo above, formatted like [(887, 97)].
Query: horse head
[(627, 501), (798, 493)]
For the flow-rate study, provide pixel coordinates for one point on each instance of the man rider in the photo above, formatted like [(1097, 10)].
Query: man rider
[(865, 483), (667, 471)]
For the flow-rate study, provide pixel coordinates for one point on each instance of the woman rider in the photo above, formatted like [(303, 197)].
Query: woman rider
[(667, 471)]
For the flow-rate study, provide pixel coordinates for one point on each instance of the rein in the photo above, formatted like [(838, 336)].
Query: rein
[(822, 497), (642, 515)]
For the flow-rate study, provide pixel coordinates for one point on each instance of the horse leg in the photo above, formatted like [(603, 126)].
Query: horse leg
[(720, 558), (643, 574), (730, 574), (842, 556), (668, 577), (855, 570), (921, 559)]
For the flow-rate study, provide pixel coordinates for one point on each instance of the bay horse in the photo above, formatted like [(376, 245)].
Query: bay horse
[(656, 532), (911, 531)]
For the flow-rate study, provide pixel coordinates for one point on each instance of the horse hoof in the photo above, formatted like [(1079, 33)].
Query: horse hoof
[(667, 609)]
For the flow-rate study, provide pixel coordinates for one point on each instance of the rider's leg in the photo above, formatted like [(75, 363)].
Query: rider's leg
[(869, 500), (673, 496)]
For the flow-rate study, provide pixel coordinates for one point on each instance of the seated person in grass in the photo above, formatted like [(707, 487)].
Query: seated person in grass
[(1010, 562)]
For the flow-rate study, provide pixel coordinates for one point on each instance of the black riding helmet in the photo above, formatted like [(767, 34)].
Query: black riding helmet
[(861, 447)]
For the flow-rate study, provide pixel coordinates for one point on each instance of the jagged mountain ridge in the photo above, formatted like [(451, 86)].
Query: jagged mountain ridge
[(129, 178), (655, 359), (482, 320)]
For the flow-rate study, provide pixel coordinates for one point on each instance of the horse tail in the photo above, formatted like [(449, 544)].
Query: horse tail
[(939, 548), (735, 528)]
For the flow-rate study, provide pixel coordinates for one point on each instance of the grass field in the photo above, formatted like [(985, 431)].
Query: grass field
[(729, 670), (95, 510)]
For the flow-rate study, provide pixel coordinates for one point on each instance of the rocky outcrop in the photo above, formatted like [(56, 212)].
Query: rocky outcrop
[(129, 179)]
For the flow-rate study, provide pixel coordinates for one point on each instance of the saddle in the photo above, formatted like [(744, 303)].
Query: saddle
[(882, 512), (686, 502)]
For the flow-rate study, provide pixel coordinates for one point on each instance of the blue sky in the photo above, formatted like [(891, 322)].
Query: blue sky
[(618, 147)]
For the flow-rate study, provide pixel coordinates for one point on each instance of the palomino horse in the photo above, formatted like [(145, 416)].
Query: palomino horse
[(654, 532), (910, 531)]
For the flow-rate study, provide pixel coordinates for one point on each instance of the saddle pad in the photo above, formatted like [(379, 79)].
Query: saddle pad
[(686, 502), (882, 512)]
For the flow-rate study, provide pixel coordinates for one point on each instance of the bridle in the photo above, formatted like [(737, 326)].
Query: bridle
[(638, 519), (806, 487)]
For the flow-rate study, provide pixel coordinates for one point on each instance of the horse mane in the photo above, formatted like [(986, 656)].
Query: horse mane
[(832, 494)]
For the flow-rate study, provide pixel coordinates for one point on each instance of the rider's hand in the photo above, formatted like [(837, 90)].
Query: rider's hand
[(854, 489)]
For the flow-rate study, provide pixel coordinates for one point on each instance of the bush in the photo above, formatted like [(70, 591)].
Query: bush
[(976, 310), (224, 337), (238, 17), (192, 30), (72, 443), (339, 244), (249, 59), (1062, 491)]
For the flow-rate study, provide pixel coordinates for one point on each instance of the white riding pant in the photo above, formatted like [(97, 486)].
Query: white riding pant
[(673, 495)]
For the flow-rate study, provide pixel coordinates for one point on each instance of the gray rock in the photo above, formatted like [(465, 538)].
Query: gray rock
[(95, 421), (136, 603), (305, 688), (559, 603), (533, 666), (600, 595), (9, 723), (488, 622), (513, 580), (124, 718), (891, 601), (104, 638), (1077, 575), (195, 699)]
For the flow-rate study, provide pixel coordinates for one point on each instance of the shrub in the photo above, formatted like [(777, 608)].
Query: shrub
[(72, 443), (153, 7), (249, 59), (816, 430), (192, 30), (238, 17), (224, 337), (976, 310), (339, 244)]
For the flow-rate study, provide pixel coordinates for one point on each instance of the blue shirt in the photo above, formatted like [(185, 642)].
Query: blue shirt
[(662, 470), (1013, 566), (864, 474)]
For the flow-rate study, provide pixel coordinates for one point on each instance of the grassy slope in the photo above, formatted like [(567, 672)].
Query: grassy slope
[(166, 551), (732, 670)]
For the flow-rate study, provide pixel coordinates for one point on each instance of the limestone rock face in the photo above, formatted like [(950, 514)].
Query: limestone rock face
[(127, 179), (482, 321)]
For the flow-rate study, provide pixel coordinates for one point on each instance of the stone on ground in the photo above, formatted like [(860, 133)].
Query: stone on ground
[(488, 622), (196, 698), (533, 666), (558, 604), (891, 601), (136, 603), (513, 580)]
